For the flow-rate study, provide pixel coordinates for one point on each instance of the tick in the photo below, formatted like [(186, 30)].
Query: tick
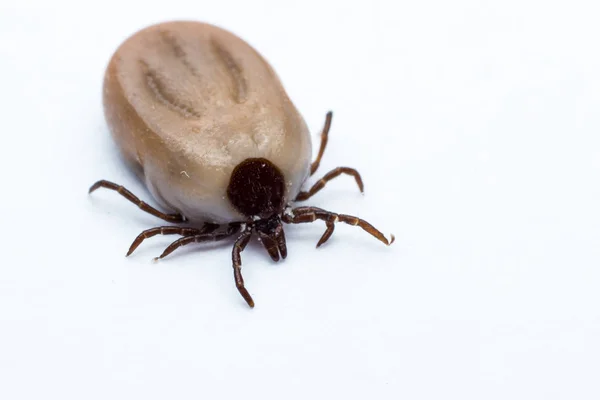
[(207, 125)]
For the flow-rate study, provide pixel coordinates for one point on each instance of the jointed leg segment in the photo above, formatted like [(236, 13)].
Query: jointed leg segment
[(329, 176), (238, 247), (303, 215), (199, 238), (169, 230), (135, 200), (324, 137)]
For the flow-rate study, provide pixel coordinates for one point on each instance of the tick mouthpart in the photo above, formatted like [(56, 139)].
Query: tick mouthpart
[(271, 235)]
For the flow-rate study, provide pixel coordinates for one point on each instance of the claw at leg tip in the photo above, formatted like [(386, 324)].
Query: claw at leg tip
[(393, 238), (92, 188), (248, 298)]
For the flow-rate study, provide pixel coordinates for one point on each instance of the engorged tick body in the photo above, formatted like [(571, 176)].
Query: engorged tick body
[(206, 123)]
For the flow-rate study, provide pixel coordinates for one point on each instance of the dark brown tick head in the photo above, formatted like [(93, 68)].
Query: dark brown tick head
[(256, 189)]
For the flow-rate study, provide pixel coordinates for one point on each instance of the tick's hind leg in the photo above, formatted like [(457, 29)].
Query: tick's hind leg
[(303, 215), (135, 200), (170, 230)]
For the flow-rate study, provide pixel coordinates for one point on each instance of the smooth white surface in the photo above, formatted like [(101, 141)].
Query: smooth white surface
[(476, 126)]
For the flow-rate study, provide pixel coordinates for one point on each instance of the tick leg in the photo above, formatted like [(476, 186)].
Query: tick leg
[(238, 247), (324, 136), (303, 215), (170, 230), (329, 176), (199, 238), (135, 200)]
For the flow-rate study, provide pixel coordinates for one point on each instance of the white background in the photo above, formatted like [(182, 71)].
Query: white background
[(476, 127)]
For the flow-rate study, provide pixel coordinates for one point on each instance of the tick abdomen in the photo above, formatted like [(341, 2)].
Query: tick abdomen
[(188, 102)]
